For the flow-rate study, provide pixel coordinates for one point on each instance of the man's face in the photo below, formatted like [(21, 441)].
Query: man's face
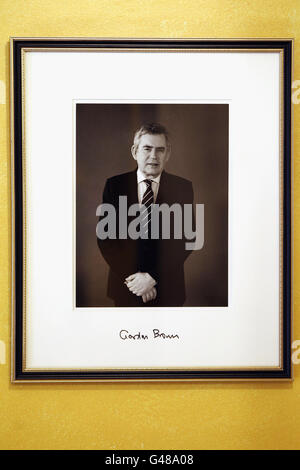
[(151, 154)]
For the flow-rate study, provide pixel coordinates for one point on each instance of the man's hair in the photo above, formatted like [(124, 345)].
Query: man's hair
[(153, 128)]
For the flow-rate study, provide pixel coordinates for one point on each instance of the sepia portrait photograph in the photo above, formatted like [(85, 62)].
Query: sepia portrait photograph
[(151, 204)]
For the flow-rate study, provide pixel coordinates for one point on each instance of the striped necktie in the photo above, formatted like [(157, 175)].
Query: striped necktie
[(147, 201)]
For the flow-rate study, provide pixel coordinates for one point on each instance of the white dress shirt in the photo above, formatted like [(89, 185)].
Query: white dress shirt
[(142, 185)]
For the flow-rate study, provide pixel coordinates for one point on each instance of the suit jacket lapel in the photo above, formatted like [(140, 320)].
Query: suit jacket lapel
[(162, 195), (132, 193)]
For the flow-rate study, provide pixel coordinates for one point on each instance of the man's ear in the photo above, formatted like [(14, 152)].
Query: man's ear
[(133, 151), (168, 152)]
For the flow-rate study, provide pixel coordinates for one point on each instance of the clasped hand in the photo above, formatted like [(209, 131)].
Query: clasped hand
[(142, 284)]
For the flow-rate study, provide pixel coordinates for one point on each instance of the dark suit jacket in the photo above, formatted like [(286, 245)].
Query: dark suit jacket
[(162, 259)]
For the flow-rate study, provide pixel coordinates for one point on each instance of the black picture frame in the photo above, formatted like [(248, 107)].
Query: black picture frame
[(18, 373)]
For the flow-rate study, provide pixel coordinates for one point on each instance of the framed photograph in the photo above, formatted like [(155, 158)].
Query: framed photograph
[(151, 209)]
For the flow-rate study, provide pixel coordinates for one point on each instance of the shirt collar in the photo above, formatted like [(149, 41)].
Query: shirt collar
[(141, 177)]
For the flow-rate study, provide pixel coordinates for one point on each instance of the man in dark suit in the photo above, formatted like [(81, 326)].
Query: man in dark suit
[(148, 270)]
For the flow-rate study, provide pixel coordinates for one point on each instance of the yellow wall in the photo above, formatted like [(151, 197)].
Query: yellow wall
[(143, 416)]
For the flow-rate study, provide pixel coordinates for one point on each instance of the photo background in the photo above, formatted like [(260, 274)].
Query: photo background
[(199, 153)]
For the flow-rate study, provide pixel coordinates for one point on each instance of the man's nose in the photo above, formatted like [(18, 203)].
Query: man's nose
[(153, 153)]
